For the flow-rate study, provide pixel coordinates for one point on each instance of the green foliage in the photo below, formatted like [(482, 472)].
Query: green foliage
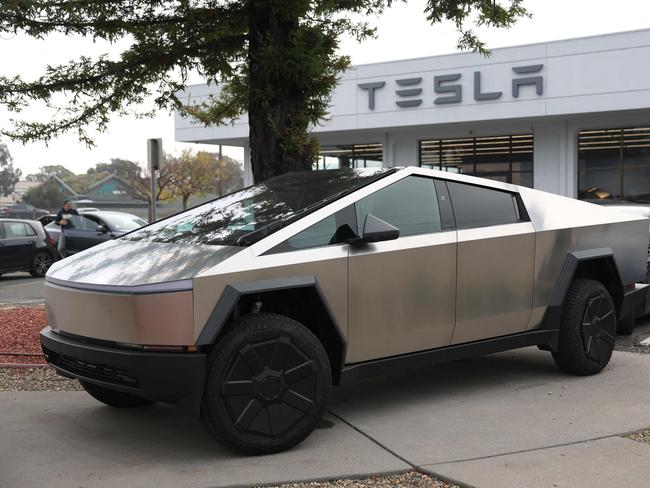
[(202, 173), (123, 168), (47, 170), (230, 175), (81, 183), (277, 60), (47, 195), (8, 175)]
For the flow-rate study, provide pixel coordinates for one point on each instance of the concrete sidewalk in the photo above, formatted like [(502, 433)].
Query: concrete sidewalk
[(507, 420)]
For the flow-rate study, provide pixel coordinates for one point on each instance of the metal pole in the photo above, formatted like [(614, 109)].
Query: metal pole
[(155, 159), (153, 195)]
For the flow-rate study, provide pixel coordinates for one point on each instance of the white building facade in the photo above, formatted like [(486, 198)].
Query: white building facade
[(570, 117)]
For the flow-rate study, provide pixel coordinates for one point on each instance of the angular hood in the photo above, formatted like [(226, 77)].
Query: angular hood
[(127, 263)]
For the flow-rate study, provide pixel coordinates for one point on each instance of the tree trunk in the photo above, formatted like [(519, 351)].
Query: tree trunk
[(274, 104), (185, 199)]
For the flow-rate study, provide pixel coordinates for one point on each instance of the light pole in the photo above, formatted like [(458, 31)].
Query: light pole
[(155, 160)]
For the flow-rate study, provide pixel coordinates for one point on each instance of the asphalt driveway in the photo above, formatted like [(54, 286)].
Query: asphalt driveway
[(20, 289), (506, 420)]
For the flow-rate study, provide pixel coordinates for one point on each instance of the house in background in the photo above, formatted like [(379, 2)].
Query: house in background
[(63, 187), (20, 189), (112, 189), (113, 193), (110, 193)]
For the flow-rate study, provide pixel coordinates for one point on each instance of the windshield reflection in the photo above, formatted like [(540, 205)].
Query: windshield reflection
[(276, 201)]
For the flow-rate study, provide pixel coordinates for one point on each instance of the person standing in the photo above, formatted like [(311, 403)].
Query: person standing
[(63, 219)]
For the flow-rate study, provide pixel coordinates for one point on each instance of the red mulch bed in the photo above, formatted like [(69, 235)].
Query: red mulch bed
[(19, 328)]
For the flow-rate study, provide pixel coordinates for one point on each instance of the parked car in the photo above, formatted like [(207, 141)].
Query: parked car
[(21, 211), (254, 304), (46, 219), (25, 246), (92, 228)]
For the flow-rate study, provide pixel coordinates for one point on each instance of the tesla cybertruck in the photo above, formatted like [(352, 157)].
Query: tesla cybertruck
[(253, 305)]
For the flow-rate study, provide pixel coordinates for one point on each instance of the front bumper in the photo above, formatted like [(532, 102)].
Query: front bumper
[(158, 376)]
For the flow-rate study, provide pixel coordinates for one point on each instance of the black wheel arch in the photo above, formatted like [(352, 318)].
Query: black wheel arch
[(299, 298), (595, 264)]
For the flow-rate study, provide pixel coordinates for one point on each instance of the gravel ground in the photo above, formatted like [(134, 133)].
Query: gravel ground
[(35, 379), (410, 479), (631, 343), (641, 436), (19, 328)]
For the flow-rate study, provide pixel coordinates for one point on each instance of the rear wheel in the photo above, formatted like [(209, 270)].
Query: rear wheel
[(268, 383), (114, 398), (41, 262), (588, 329)]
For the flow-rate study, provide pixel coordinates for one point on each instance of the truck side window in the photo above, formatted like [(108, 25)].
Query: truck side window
[(334, 229), (410, 205), (476, 206)]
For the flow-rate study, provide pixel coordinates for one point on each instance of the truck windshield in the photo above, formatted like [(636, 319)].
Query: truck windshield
[(257, 210)]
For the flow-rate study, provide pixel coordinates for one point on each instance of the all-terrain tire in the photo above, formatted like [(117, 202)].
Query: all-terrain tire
[(587, 330), (114, 398), (267, 385), (41, 262)]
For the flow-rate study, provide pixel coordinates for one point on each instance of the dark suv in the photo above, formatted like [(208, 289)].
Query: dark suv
[(25, 246), (22, 211)]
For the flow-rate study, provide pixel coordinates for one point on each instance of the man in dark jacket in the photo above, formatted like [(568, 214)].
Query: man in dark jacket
[(63, 219)]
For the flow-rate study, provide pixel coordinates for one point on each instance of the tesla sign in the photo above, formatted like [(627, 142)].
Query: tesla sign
[(451, 90)]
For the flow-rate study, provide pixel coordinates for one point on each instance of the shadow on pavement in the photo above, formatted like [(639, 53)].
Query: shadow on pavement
[(519, 370)]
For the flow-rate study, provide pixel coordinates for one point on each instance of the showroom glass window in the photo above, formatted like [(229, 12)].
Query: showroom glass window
[(350, 156), (614, 164), (502, 158)]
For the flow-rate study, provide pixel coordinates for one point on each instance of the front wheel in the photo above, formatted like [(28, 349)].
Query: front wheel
[(41, 262), (113, 398), (587, 330), (268, 383)]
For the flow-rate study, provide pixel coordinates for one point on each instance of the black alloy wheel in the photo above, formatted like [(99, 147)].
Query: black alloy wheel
[(588, 329), (41, 262), (268, 383), (598, 327)]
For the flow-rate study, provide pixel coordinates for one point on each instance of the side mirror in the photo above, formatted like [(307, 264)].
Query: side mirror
[(102, 229), (376, 230)]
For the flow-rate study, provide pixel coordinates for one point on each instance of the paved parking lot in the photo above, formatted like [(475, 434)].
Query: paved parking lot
[(20, 289), (506, 420)]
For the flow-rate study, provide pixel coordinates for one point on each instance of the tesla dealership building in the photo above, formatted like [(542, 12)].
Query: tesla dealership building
[(570, 117)]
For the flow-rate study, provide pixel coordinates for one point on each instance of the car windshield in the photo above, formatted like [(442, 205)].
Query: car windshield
[(123, 222), (264, 207)]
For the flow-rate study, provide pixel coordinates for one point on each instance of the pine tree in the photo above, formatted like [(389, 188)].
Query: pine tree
[(276, 60)]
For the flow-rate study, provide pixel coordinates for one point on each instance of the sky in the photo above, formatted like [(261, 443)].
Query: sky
[(402, 32)]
